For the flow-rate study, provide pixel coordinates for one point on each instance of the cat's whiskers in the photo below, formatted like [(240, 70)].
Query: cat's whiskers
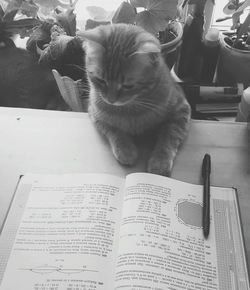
[(151, 106), (85, 90), (77, 66), (84, 85), (152, 110)]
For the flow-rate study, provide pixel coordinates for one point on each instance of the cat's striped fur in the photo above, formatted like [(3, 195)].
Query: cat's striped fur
[(131, 92)]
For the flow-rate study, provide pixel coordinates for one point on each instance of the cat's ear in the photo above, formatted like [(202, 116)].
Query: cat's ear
[(92, 40), (94, 35)]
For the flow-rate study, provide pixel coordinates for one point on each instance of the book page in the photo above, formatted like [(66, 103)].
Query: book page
[(67, 237), (161, 239)]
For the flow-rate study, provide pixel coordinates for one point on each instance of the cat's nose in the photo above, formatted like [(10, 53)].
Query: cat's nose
[(112, 99), (112, 93)]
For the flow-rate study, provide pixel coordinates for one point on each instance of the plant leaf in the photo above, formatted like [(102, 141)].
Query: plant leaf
[(23, 27), (238, 12), (29, 9), (163, 9), (236, 18), (67, 20), (244, 26), (223, 19), (52, 4), (164, 6), (90, 23), (99, 14), (13, 4), (55, 49), (150, 22), (96, 12), (124, 14), (39, 37), (11, 9), (244, 5), (10, 15), (139, 3), (191, 2), (157, 14), (1, 12)]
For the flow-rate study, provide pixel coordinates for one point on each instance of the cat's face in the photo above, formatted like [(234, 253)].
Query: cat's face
[(121, 68)]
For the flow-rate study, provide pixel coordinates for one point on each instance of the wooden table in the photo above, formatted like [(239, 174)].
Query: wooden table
[(56, 142)]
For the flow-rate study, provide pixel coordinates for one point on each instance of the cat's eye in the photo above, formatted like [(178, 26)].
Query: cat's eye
[(128, 86)]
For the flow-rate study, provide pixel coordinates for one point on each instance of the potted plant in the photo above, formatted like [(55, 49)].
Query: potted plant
[(234, 61), (23, 18), (10, 26), (56, 45), (45, 32), (159, 17), (156, 16)]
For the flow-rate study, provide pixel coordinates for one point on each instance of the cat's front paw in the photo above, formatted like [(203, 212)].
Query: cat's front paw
[(126, 154), (160, 166)]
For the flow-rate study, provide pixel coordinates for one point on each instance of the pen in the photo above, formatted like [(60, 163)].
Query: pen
[(199, 93), (206, 170)]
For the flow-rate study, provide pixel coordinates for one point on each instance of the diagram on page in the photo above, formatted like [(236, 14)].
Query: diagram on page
[(189, 213), (48, 269)]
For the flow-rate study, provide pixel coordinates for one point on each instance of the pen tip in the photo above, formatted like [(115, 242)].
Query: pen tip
[(206, 164), (205, 233), (207, 156)]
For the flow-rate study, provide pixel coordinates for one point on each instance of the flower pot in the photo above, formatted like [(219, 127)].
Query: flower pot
[(170, 50), (73, 92), (233, 64)]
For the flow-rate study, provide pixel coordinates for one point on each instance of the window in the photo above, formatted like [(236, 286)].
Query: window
[(212, 14), (218, 14), (82, 13)]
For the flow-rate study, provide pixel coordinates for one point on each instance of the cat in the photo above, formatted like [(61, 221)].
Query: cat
[(132, 92), (26, 84)]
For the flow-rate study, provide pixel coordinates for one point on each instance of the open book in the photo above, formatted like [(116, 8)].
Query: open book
[(97, 231)]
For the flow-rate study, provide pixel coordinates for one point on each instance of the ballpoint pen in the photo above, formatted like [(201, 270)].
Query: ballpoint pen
[(206, 170)]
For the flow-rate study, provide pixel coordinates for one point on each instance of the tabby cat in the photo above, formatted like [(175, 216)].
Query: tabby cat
[(132, 92)]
